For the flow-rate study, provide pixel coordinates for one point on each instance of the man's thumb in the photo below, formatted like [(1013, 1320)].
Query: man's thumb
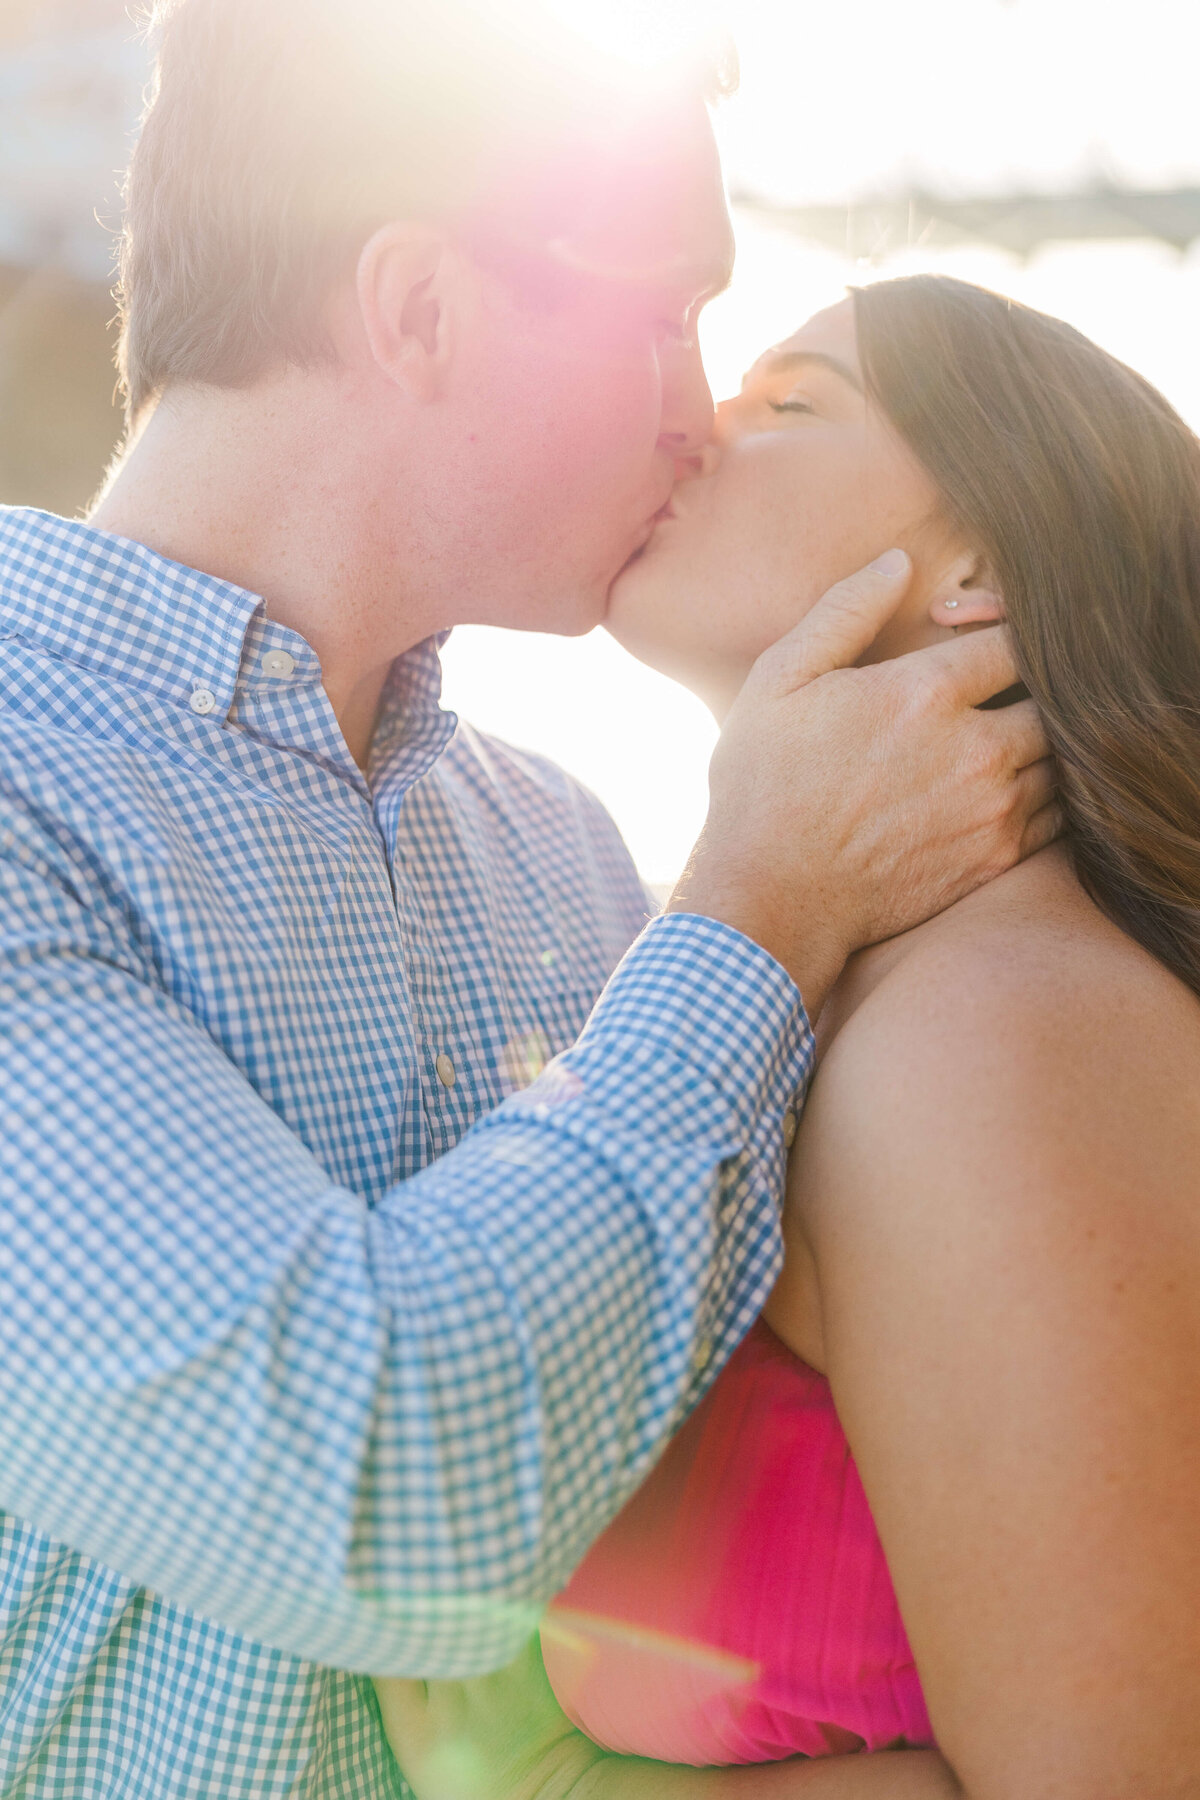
[(842, 625)]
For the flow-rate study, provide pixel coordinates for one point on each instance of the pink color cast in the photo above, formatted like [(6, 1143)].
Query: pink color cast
[(740, 1609)]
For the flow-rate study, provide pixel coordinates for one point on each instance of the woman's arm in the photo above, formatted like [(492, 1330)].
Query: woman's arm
[(999, 1177)]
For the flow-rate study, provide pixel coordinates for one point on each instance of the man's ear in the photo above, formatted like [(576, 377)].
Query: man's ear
[(405, 273), (965, 593)]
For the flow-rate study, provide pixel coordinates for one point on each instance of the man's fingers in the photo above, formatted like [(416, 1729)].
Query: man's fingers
[(841, 626), (977, 666), (1044, 828), (1020, 733)]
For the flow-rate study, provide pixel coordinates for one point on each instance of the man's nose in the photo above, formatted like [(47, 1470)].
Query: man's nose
[(687, 404), (722, 431), (726, 421), (697, 462)]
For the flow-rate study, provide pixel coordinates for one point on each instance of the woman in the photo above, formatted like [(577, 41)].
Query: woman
[(993, 1210)]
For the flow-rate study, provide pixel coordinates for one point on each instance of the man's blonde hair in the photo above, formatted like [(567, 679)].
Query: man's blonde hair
[(281, 133)]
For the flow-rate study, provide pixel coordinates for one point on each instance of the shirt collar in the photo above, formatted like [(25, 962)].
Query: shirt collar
[(123, 612), (119, 610)]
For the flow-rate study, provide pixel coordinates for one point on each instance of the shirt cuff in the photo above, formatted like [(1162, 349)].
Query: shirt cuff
[(700, 994)]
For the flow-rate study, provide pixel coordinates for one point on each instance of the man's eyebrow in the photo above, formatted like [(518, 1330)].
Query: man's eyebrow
[(779, 362)]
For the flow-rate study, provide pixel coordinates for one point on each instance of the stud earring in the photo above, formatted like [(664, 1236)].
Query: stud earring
[(950, 605)]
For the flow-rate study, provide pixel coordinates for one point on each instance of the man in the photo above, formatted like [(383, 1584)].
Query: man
[(316, 1357)]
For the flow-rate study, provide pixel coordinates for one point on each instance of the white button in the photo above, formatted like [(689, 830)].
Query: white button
[(789, 1128), (445, 1070), (702, 1355), (203, 700), (280, 663)]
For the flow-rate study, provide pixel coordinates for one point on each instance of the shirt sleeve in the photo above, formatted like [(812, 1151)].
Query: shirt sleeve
[(375, 1437)]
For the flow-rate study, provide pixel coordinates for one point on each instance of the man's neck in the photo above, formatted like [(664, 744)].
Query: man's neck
[(259, 489)]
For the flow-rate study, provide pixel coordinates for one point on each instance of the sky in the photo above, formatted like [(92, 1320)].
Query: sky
[(845, 101)]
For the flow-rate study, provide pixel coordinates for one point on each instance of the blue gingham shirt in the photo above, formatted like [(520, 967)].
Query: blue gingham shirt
[(339, 1310)]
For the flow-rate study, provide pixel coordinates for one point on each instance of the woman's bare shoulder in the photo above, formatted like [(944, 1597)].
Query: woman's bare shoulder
[(1022, 970), (1023, 1031), (1018, 1060)]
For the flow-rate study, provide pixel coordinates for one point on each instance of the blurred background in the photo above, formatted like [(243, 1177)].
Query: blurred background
[(1046, 148)]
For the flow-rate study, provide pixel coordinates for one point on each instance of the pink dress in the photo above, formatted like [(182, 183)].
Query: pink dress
[(740, 1609)]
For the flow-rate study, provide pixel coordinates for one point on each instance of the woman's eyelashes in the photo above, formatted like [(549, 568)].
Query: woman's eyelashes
[(794, 405)]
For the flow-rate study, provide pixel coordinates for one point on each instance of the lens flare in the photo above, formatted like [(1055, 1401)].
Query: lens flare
[(645, 33)]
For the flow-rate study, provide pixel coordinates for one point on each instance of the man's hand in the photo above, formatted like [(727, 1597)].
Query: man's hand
[(848, 804), (498, 1737)]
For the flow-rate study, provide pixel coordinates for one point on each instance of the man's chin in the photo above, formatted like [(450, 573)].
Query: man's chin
[(637, 555), (573, 615), (595, 607), (625, 577), (585, 605)]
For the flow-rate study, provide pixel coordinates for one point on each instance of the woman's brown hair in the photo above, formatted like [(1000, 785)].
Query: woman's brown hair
[(1080, 486)]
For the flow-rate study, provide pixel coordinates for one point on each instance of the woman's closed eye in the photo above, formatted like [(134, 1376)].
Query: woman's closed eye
[(797, 403)]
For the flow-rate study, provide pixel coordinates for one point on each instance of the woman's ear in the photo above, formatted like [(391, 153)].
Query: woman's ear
[(965, 593)]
